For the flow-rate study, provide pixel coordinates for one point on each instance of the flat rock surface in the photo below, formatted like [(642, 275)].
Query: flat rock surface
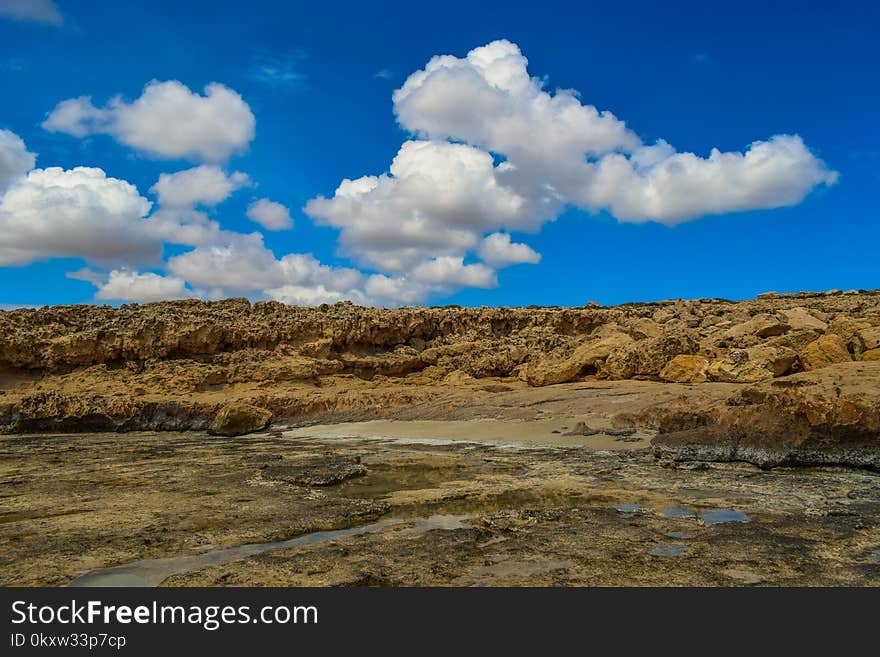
[(463, 512)]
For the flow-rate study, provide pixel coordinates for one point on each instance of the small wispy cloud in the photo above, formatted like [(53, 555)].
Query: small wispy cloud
[(32, 11), (385, 74), (278, 72)]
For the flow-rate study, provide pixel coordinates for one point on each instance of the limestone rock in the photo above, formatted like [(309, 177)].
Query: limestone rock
[(795, 339), (545, 372), (280, 368), (801, 318), (457, 377), (647, 357), (550, 372), (752, 365), (645, 328), (871, 354), (325, 470), (496, 360), (825, 351), (171, 365), (849, 330), (238, 419), (871, 337), (824, 416), (763, 326), (592, 352), (685, 369)]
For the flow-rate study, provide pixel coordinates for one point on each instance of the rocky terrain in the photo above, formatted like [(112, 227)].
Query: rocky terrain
[(781, 379), (354, 506)]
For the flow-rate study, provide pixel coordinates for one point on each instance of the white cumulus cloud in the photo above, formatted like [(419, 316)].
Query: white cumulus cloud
[(301, 295), (588, 157), (243, 264), (202, 185), (488, 99), (124, 285), (451, 271), (492, 152), (270, 215), (436, 200), (168, 120), (495, 151), (15, 159), (79, 212), (682, 186), (498, 251)]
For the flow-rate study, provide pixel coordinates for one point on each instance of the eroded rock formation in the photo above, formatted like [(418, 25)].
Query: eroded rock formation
[(175, 365)]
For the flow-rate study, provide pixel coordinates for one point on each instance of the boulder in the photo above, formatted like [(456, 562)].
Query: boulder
[(238, 418), (795, 339), (752, 365), (646, 358), (762, 326), (850, 332), (591, 353), (826, 416), (800, 318), (548, 372), (871, 354), (545, 372), (457, 378), (825, 351), (685, 369), (645, 328), (870, 337)]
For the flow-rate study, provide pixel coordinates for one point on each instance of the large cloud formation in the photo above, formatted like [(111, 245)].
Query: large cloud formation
[(166, 121), (491, 153), (558, 147), (436, 201), (74, 213), (495, 152)]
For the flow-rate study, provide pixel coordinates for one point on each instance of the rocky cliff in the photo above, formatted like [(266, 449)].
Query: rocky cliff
[(172, 365)]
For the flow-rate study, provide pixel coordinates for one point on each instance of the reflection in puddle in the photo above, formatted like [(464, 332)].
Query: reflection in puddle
[(676, 534), (152, 572), (668, 550), (677, 512), (627, 508), (718, 516)]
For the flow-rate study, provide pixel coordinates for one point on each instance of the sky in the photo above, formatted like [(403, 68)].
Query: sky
[(492, 153)]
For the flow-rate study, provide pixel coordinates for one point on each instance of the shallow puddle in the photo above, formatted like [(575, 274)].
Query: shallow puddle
[(627, 508), (718, 516), (152, 572), (668, 550), (677, 512)]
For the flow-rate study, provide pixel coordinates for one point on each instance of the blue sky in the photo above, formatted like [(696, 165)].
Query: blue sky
[(318, 80)]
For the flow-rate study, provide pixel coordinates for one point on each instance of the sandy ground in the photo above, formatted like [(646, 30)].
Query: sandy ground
[(509, 433)]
